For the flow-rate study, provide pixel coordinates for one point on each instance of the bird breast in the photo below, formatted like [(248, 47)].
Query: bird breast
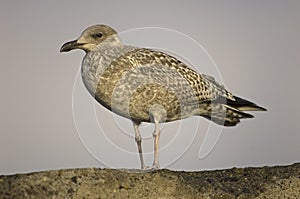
[(130, 86)]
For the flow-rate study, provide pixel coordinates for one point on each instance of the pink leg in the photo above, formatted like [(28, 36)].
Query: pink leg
[(138, 140)]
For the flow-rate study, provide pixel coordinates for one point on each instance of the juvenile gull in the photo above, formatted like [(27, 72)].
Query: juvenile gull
[(146, 85)]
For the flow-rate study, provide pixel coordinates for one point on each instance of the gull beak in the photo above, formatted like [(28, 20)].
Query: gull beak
[(71, 45)]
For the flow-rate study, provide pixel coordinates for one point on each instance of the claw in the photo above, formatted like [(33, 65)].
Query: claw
[(151, 168)]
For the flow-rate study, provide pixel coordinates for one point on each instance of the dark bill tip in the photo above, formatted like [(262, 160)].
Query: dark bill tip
[(69, 46)]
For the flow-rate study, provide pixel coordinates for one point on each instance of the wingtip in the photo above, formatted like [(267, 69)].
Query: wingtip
[(259, 108), (252, 108), (263, 109)]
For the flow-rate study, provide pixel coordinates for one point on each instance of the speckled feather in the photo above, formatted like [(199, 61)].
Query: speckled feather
[(130, 80), (146, 85), (152, 77)]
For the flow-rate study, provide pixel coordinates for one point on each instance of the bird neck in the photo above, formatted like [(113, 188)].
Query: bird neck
[(111, 41), (96, 62)]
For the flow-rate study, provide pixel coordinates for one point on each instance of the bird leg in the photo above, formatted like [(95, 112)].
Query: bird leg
[(157, 114), (138, 140), (156, 136)]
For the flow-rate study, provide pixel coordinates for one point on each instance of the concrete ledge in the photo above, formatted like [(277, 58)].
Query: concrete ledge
[(266, 182)]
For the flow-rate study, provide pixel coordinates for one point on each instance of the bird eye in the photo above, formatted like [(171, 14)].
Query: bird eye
[(98, 35)]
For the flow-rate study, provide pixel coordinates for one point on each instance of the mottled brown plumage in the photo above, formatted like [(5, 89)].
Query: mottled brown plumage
[(146, 85)]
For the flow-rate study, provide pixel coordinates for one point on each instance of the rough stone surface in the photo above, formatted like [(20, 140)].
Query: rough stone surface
[(266, 182)]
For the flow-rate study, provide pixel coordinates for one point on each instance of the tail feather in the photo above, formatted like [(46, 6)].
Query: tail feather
[(229, 112), (239, 103), (244, 105), (224, 115)]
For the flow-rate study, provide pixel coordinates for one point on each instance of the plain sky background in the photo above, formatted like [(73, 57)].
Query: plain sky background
[(255, 45)]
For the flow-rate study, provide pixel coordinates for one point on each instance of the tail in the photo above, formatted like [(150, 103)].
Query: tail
[(244, 105), (227, 112)]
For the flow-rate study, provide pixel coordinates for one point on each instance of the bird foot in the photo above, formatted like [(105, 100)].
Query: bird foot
[(150, 168)]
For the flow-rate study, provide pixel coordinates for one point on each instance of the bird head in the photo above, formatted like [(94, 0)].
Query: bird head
[(90, 38)]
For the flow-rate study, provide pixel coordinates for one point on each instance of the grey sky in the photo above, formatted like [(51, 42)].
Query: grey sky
[(255, 45)]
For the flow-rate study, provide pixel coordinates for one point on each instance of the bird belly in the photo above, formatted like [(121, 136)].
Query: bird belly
[(136, 102)]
